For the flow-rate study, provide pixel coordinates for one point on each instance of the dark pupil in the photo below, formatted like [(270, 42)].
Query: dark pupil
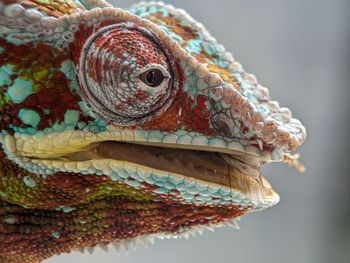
[(153, 77)]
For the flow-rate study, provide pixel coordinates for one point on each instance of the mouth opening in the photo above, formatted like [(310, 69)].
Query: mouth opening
[(238, 172)]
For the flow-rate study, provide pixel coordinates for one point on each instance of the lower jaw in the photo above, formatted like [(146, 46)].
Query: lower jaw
[(202, 168), (59, 215)]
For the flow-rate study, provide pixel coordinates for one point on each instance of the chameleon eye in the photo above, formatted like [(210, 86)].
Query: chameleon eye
[(127, 73), (152, 77)]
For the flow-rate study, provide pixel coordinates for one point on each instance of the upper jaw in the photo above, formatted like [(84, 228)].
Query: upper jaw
[(58, 144)]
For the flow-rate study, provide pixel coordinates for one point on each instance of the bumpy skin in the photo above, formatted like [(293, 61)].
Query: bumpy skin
[(71, 79)]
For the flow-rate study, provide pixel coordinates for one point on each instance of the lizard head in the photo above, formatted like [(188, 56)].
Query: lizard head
[(142, 112)]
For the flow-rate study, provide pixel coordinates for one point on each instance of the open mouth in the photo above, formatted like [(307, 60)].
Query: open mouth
[(238, 172)]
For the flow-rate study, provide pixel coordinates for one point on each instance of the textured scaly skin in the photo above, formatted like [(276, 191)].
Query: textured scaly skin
[(71, 79)]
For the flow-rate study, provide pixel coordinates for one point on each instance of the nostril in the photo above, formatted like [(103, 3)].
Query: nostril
[(224, 125)]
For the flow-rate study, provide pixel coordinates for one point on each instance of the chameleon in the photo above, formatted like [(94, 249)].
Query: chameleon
[(122, 125)]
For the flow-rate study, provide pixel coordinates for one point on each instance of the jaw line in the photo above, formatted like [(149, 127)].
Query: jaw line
[(57, 144), (20, 150)]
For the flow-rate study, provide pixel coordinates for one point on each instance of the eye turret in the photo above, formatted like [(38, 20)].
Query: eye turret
[(127, 73)]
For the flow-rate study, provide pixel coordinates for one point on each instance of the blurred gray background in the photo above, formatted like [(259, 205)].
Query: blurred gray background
[(301, 51)]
